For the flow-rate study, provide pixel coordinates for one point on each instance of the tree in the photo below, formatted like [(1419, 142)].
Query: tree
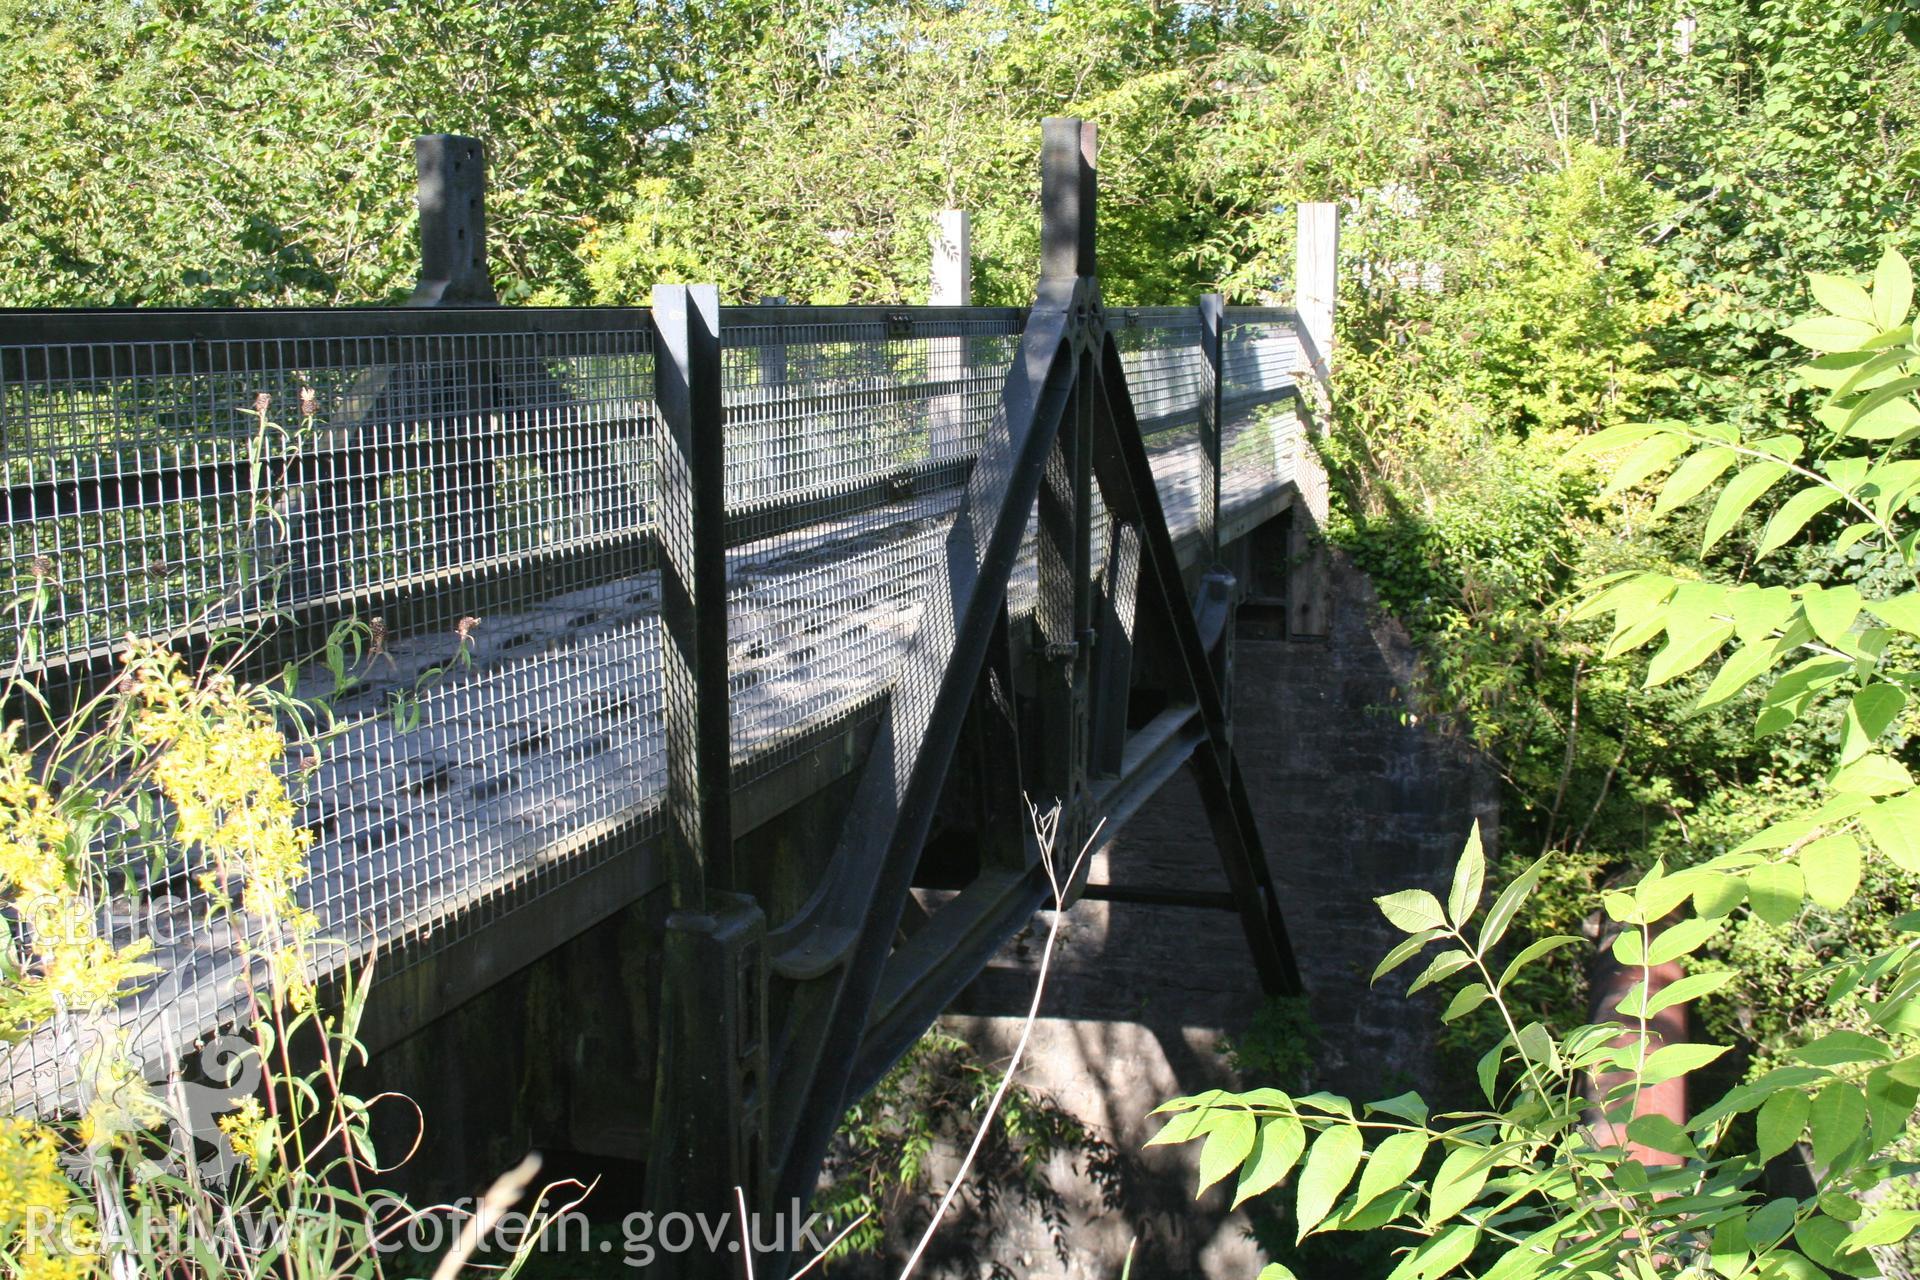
[(817, 175), (210, 152)]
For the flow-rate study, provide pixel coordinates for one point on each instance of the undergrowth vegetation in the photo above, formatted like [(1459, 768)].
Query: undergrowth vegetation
[(1800, 1161), (888, 1154)]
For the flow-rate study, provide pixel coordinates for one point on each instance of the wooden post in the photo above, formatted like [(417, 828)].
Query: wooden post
[(1315, 282)]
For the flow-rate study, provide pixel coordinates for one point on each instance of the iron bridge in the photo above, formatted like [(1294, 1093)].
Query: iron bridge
[(639, 583)]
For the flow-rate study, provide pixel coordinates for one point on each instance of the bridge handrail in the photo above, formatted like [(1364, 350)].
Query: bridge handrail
[(501, 463)]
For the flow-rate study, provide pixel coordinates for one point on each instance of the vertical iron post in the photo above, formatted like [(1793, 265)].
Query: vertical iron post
[(1213, 309), (689, 461), (1063, 610), (709, 1129), (453, 222), (1067, 194), (451, 192), (708, 1133), (460, 398)]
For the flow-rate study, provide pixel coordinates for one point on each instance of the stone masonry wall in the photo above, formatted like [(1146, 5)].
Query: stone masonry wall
[(1356, 797)]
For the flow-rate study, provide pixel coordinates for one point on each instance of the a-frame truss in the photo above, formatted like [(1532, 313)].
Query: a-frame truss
[(1112, 687)]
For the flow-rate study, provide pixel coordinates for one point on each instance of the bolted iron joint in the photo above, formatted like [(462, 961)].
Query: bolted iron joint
[(452, 172)]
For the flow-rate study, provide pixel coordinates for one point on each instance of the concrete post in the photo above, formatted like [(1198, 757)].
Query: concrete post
[(952, 282), (1315, 285), (778, 461), (951, 285), (1316, 280)]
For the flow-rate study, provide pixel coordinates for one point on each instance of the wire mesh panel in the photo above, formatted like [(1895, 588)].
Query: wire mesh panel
[(1262, 363), (467, 507), (1160, 349), (464, 503), (850, 434)]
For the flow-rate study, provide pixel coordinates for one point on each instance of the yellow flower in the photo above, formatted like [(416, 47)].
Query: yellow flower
[(43, 1232), (253, 1133), (71, 966), (33, 833), (86, 973), (217, 756), (119, 1104)]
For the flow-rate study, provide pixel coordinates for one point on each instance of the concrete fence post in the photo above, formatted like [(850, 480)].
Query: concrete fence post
[(773, 444), (951, 285), (1315, 285), (1316, 280), (952, 276)]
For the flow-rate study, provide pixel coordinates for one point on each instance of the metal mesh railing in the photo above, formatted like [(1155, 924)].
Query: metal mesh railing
[(1167, 377), (475, 502), (1262, 364), (849, 440), (476, 492)]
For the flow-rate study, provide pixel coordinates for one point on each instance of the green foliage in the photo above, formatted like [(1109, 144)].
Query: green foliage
[(1726, 151), (202, 153), (1562, 300), (1556, 219), (1536, 1181), (1563, 1169), (1279, 1044), (1852, 474), (817, 176), (881, 1164)]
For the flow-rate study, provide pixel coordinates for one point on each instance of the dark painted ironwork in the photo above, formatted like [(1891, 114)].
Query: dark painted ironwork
[(621, 492), (1128, 485), (1212, 426), (711, 1085), (1067, 435), (1157, 896), (690, 471), (453, 222)]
